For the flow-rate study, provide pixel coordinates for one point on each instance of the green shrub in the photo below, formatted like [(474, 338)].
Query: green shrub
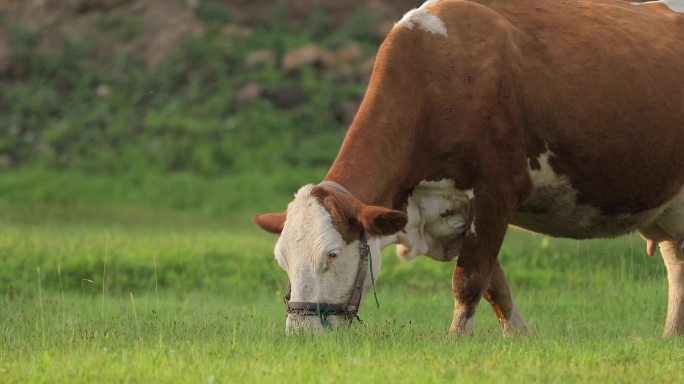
[(80, 107)]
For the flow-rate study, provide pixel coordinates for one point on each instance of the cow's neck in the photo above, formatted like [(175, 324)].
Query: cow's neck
[(377, 153)]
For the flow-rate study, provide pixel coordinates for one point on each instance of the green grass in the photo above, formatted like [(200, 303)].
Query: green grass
[(206, 307), (32, 191)]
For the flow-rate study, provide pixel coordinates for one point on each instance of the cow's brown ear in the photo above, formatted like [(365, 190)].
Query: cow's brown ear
[(380, 221), (270, 222)]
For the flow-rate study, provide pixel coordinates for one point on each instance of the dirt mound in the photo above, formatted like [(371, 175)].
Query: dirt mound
[(162, 23), (159, 25), (256, 11)]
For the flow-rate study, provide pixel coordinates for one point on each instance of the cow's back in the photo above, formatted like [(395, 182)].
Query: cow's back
[(599, 88)]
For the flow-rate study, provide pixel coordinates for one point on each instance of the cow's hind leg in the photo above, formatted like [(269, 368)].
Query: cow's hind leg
[(669, 233), (673, 256), (499, 296)]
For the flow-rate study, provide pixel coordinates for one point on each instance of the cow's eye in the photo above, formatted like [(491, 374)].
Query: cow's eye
[(335, 253)]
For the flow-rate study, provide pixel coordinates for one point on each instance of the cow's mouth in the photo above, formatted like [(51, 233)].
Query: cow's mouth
[(300, 323)]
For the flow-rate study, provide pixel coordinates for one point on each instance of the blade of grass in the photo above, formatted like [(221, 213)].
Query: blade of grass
[(40, 305), (104, 276)]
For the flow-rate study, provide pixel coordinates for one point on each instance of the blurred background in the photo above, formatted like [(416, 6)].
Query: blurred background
[(218, 106)]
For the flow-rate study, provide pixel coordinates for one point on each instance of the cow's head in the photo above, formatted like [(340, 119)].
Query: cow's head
[(319, 247)]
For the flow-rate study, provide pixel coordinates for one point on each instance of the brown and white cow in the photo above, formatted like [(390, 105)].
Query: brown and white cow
[(561, 117)]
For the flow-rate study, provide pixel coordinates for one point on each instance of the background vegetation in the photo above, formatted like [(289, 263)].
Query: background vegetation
[(83, 108)]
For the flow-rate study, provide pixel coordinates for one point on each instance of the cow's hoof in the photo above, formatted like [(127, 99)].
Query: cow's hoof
[(513, 333), (460, 333), (464, 328)]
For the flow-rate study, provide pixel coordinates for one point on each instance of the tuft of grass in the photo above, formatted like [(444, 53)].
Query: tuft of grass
[(104, 274), (61, 299), (135, 317), (40, 305)]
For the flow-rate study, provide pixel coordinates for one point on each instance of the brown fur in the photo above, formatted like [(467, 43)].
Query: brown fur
[(349, 215), (600, 84), (498, 294), (271, 222), (585, 77)]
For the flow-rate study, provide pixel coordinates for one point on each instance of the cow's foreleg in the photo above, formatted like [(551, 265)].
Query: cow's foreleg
[(490, 214), (673, 256), (499, 296)]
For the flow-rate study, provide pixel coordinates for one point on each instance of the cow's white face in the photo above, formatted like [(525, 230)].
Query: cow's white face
[(319, 247)]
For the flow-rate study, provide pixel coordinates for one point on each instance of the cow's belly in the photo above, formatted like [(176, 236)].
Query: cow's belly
[(553, 209), (555, 212)]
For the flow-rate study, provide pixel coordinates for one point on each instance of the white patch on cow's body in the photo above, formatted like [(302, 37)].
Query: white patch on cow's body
[(472, 230), (552, 207), (544, 176), (470, 194), (423, 19), (675, 5), (562, 196), (437, 219)]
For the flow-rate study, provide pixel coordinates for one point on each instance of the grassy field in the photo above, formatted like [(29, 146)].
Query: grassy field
[(140, 295)]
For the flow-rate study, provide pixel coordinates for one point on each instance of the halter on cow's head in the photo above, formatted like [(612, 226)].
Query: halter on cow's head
[(329, 246)]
